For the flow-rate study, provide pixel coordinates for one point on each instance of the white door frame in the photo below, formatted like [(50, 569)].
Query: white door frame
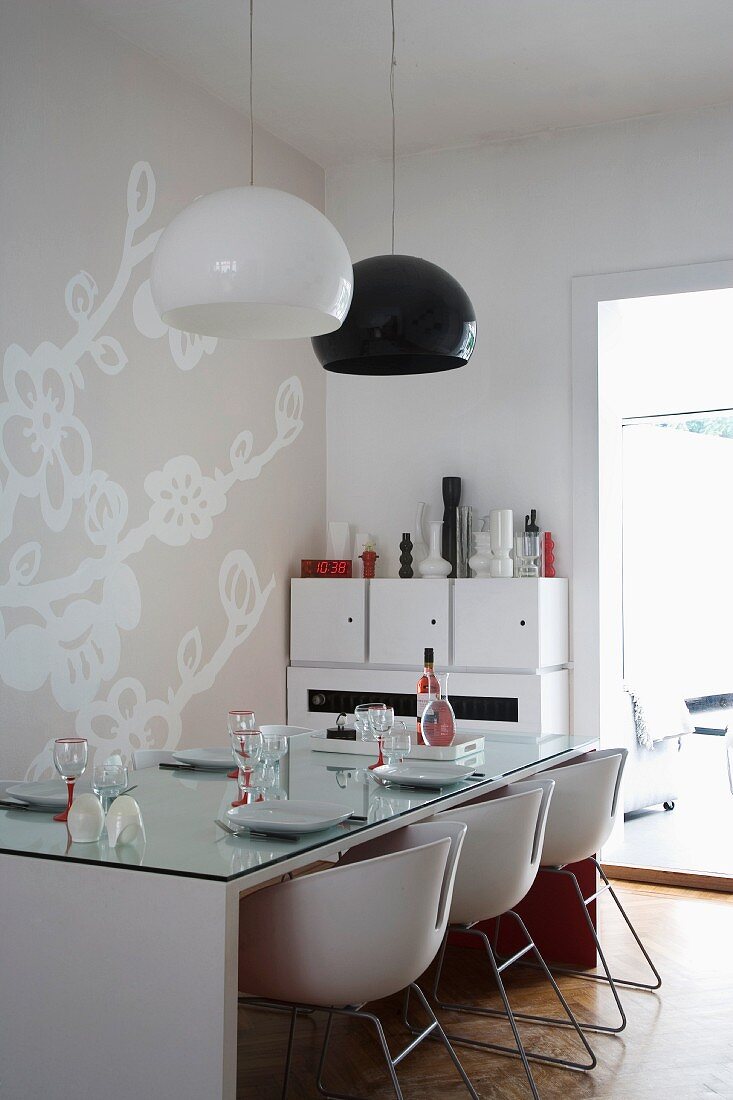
[(596, 624)]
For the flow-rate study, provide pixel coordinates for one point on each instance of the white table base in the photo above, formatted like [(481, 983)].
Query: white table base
[(155, 1014)]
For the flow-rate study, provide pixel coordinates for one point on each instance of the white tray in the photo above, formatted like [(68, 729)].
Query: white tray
[(465, 744)]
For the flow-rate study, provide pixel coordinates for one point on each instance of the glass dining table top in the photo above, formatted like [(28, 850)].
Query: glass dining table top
[(180, 808)]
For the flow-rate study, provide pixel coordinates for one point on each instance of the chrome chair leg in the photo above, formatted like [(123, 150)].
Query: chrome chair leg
[(354, 1012), (628, 983), (531, 1055), (441, 1033), (289, 1055), (519, 1050), (586, 1025), (606, 976), (358, 1013)]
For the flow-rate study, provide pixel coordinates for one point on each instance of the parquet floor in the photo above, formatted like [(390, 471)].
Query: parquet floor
[(678, 1043)]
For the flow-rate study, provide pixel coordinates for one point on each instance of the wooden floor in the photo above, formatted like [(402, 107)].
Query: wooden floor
[(678, 1043)]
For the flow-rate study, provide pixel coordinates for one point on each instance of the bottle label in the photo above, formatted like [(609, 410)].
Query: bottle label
[(422, 701)]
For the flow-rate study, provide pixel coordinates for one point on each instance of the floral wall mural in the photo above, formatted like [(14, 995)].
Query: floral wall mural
[(78, 620), (157, 489)]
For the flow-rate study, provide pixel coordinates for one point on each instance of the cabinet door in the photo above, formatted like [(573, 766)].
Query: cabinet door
[(405, 616), (497, 623), (328, 620)]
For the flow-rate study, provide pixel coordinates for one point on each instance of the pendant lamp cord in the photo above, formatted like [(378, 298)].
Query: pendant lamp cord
[(394, 143), (251, 109)]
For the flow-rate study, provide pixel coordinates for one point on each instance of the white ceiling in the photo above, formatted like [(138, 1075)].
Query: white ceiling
[(468, 70)]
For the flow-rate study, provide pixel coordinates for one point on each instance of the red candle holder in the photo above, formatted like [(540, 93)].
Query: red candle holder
[(368, 563), (549, 555)]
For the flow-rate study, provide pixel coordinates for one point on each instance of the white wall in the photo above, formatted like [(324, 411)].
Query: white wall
[(125, 616), (514, 223)]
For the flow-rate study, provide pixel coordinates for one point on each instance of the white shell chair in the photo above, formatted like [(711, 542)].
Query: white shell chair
[(729, 755), (499, 863), (150, 758), (582, 815), (336, 939)]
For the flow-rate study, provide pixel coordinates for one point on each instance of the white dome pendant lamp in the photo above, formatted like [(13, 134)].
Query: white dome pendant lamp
[(252, 263)]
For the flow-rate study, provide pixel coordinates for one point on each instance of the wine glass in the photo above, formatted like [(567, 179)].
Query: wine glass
[(381, 720), (237, 722), (361, 722), (274, 747), (108, 781), (70, 761), (247, 746), (396, 746)]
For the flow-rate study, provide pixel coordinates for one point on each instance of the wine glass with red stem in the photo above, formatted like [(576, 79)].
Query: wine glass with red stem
[(238, 721), (70, 761)]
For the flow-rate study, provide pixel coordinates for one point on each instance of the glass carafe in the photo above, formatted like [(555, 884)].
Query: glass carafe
[(438, 722)]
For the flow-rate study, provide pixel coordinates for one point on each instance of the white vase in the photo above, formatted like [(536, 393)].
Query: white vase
[(480, 562), (419, 547), (501, 524), (338, 544), (435, 565)]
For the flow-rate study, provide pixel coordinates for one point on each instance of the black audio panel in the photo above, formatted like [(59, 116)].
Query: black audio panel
[(470, 708)]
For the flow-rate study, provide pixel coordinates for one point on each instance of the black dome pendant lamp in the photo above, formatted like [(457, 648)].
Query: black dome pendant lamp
[(407, 315)]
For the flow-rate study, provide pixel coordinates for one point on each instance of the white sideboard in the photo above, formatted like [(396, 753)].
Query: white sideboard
[(508, 623), (476, 624), (406, 617), (328, 621), (504, 641)]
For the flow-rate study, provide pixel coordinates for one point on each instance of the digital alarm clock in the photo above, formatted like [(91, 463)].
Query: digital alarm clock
[(325, 567)]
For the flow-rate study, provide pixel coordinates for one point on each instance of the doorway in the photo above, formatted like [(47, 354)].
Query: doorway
[(653, 453), (677, 536)]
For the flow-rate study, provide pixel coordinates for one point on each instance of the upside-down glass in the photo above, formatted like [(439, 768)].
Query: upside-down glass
[(108, 781), (361, 722), (70, 761), (237, 722), (396, 746), (247, 746), (274, 747)]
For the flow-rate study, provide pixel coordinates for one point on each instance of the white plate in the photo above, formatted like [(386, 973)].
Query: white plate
[(51, 794), (288, 818), (214, 760), (424, 774)]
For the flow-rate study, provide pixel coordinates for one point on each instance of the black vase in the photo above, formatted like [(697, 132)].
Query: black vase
[(406, 556), (451, 500)]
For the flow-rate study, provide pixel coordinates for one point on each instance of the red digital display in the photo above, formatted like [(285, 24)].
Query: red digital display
[(325, 567)]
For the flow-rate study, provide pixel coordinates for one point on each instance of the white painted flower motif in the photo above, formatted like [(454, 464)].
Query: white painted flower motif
[(43, 445), (289, 409), (106, 509), (184, 501), (128, 720), (78, 650)]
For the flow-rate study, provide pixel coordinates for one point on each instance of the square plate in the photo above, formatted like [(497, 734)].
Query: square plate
[(288, 818), (214, 760), (50, 794), (423, 774)]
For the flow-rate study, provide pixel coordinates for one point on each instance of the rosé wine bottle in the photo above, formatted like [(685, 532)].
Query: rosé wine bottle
[(428, 689)]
